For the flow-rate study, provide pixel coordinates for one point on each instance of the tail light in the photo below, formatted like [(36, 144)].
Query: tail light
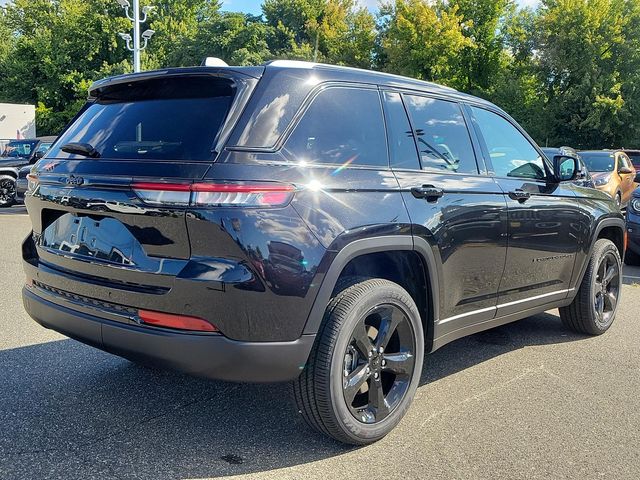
[(32, 183), (215, 194), (179, 322)]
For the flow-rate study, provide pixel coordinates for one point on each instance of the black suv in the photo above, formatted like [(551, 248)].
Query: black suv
[(306, 222), (16, 157)]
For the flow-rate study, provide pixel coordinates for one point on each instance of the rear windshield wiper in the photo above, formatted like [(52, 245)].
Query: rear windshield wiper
[(84, 149)]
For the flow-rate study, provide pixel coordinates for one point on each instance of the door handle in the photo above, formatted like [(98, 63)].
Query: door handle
[(519, 195), (428, 192)]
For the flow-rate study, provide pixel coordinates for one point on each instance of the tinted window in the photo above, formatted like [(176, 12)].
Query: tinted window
[(598, 161), (442, 136), (43, 147), (512, 155), (635, 158), (623, 161), (402, 147), (18, 149), (342, 126), (167, 119)]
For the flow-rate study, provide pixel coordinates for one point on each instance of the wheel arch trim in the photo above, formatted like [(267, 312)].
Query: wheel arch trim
[(365, 246), (13, 172), (601, 225)]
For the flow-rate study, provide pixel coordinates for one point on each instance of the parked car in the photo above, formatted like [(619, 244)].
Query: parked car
[(612, 172), (632, 255), (14, 155), (414, 214), (583, 178)]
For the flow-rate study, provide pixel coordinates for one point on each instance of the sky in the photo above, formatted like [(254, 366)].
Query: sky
[(253, 6)]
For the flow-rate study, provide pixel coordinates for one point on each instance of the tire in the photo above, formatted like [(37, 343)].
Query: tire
[(631, 258), (338, 369), (593, 310), (7, 191)]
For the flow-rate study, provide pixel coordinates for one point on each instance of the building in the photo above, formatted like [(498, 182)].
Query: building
[(17, 121)]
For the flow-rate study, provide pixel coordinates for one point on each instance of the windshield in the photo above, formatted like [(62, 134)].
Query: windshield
[(159, 119), (598, 161), (18, 149)]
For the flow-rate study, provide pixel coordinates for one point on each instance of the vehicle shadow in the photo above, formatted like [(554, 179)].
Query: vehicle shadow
[(541, 329), (72, 411)]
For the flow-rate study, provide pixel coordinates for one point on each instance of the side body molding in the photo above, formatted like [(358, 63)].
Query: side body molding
[(372, 245)]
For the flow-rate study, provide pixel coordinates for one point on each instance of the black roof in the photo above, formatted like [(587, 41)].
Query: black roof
[(329, 72), (601, 152)]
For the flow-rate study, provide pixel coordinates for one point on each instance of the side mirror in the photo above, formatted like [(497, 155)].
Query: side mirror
[(565, 168), (625, 170)]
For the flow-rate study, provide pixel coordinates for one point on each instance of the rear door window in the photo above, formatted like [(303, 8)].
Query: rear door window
[(441, 134), (159, 119), (342, 126)]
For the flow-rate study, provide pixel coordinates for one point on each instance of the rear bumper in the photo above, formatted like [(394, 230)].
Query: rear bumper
[(207, 355)]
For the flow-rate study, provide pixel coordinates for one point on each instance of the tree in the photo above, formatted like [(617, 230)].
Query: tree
[(333, 31), (579, 59), (516, 85), (480, 60), (237, 38), (59, 48), (177, 23), (422, 40)]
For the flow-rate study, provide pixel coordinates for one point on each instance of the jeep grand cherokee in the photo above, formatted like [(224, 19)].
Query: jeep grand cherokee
[(308, 223)]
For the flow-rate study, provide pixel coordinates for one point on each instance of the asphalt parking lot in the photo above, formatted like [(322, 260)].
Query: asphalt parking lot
[(527, 400)]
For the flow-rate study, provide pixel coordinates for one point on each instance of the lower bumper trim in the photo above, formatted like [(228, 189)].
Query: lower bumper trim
[(211, 356)]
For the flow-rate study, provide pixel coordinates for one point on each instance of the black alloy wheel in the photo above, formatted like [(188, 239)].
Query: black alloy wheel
[(7, 191), (378, 363), (607, 288), (365, 365), (594, 307)]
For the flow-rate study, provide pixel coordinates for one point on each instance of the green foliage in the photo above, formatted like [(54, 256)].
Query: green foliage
[(569, 71), (332, 31), (58, 48), (480, 58), (422, 40)]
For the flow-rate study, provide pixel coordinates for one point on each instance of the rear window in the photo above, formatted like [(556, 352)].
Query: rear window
[(599, 161), (160, 119), (18, 149)]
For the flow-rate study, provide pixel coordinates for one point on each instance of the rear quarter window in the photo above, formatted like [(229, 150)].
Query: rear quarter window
[(159, 119), (342, 126)]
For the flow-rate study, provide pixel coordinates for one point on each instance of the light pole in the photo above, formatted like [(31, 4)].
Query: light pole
[(137, 22)]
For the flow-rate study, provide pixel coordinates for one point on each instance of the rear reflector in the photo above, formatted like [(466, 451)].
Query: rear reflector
[(180, 322), (215, 194), (625, 241), (32, 183)]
